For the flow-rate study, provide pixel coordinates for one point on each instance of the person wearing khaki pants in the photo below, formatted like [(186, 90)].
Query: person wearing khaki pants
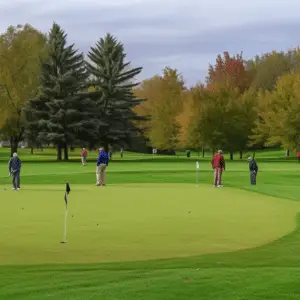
[(101, 174), (102, 164)]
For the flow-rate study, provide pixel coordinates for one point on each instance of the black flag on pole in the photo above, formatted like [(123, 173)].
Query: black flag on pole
[(68, 190)]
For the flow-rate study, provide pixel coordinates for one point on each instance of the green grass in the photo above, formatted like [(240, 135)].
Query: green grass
[(127, 223), (158, 235), (49, 155)]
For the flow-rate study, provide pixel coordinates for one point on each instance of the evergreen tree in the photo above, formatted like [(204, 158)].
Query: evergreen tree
[(35, 110), (113, 82), (61, 114)]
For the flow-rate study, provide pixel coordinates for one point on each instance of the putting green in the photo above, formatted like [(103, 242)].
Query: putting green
[(136, 222)]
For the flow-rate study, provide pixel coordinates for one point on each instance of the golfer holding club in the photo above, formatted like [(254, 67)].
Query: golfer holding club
[(102, 164), (14, 169)]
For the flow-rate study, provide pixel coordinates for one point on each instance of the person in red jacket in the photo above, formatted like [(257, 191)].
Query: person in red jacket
[(83, 156), (218, 165), (298, 156)]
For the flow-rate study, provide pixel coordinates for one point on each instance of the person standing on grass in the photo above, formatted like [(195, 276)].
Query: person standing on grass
[(253, 168), (102, 164), (83, 156), (122, 152), (218, 165), (298, 156), (14, 169), (188, 153)]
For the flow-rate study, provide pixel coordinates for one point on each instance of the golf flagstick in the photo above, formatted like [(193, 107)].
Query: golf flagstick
[(65, 226), (68, 189), (197, 169)]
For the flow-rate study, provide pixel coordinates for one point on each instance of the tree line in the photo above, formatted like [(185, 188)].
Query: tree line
[(51, 94), (242, 105)]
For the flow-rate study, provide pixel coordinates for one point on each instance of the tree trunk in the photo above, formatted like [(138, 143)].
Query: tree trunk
[(203, 152), (66, 152), (287, 153), (106, 146), (14, 142), (58, 153), (241, 154), (231, 155)]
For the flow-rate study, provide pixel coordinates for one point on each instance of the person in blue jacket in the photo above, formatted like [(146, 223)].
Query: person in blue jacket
[(14, 169), (102, 164)]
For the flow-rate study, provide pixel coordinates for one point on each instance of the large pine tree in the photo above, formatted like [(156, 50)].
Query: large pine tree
[(113, 81), (35, 110), (60, 115)]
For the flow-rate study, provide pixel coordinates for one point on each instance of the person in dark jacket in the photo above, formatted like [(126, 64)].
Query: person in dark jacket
[(102, 164), (188, 153), (253, 168), (14, 169)]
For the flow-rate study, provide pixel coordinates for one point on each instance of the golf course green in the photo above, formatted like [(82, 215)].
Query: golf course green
[(136, 222), (151, 233)]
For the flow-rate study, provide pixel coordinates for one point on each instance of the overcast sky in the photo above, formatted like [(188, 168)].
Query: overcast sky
[(183, 34)]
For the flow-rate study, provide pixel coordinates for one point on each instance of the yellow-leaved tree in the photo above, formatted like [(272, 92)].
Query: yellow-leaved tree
[(164, 97), (280, 113), (187, 138), (21, 51)]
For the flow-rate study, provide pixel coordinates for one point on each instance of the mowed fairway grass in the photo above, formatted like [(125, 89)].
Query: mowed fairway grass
[(151, 233)]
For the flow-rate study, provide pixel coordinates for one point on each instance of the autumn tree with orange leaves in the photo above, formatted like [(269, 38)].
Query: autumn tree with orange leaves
[(229, 70), (187, 116)]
